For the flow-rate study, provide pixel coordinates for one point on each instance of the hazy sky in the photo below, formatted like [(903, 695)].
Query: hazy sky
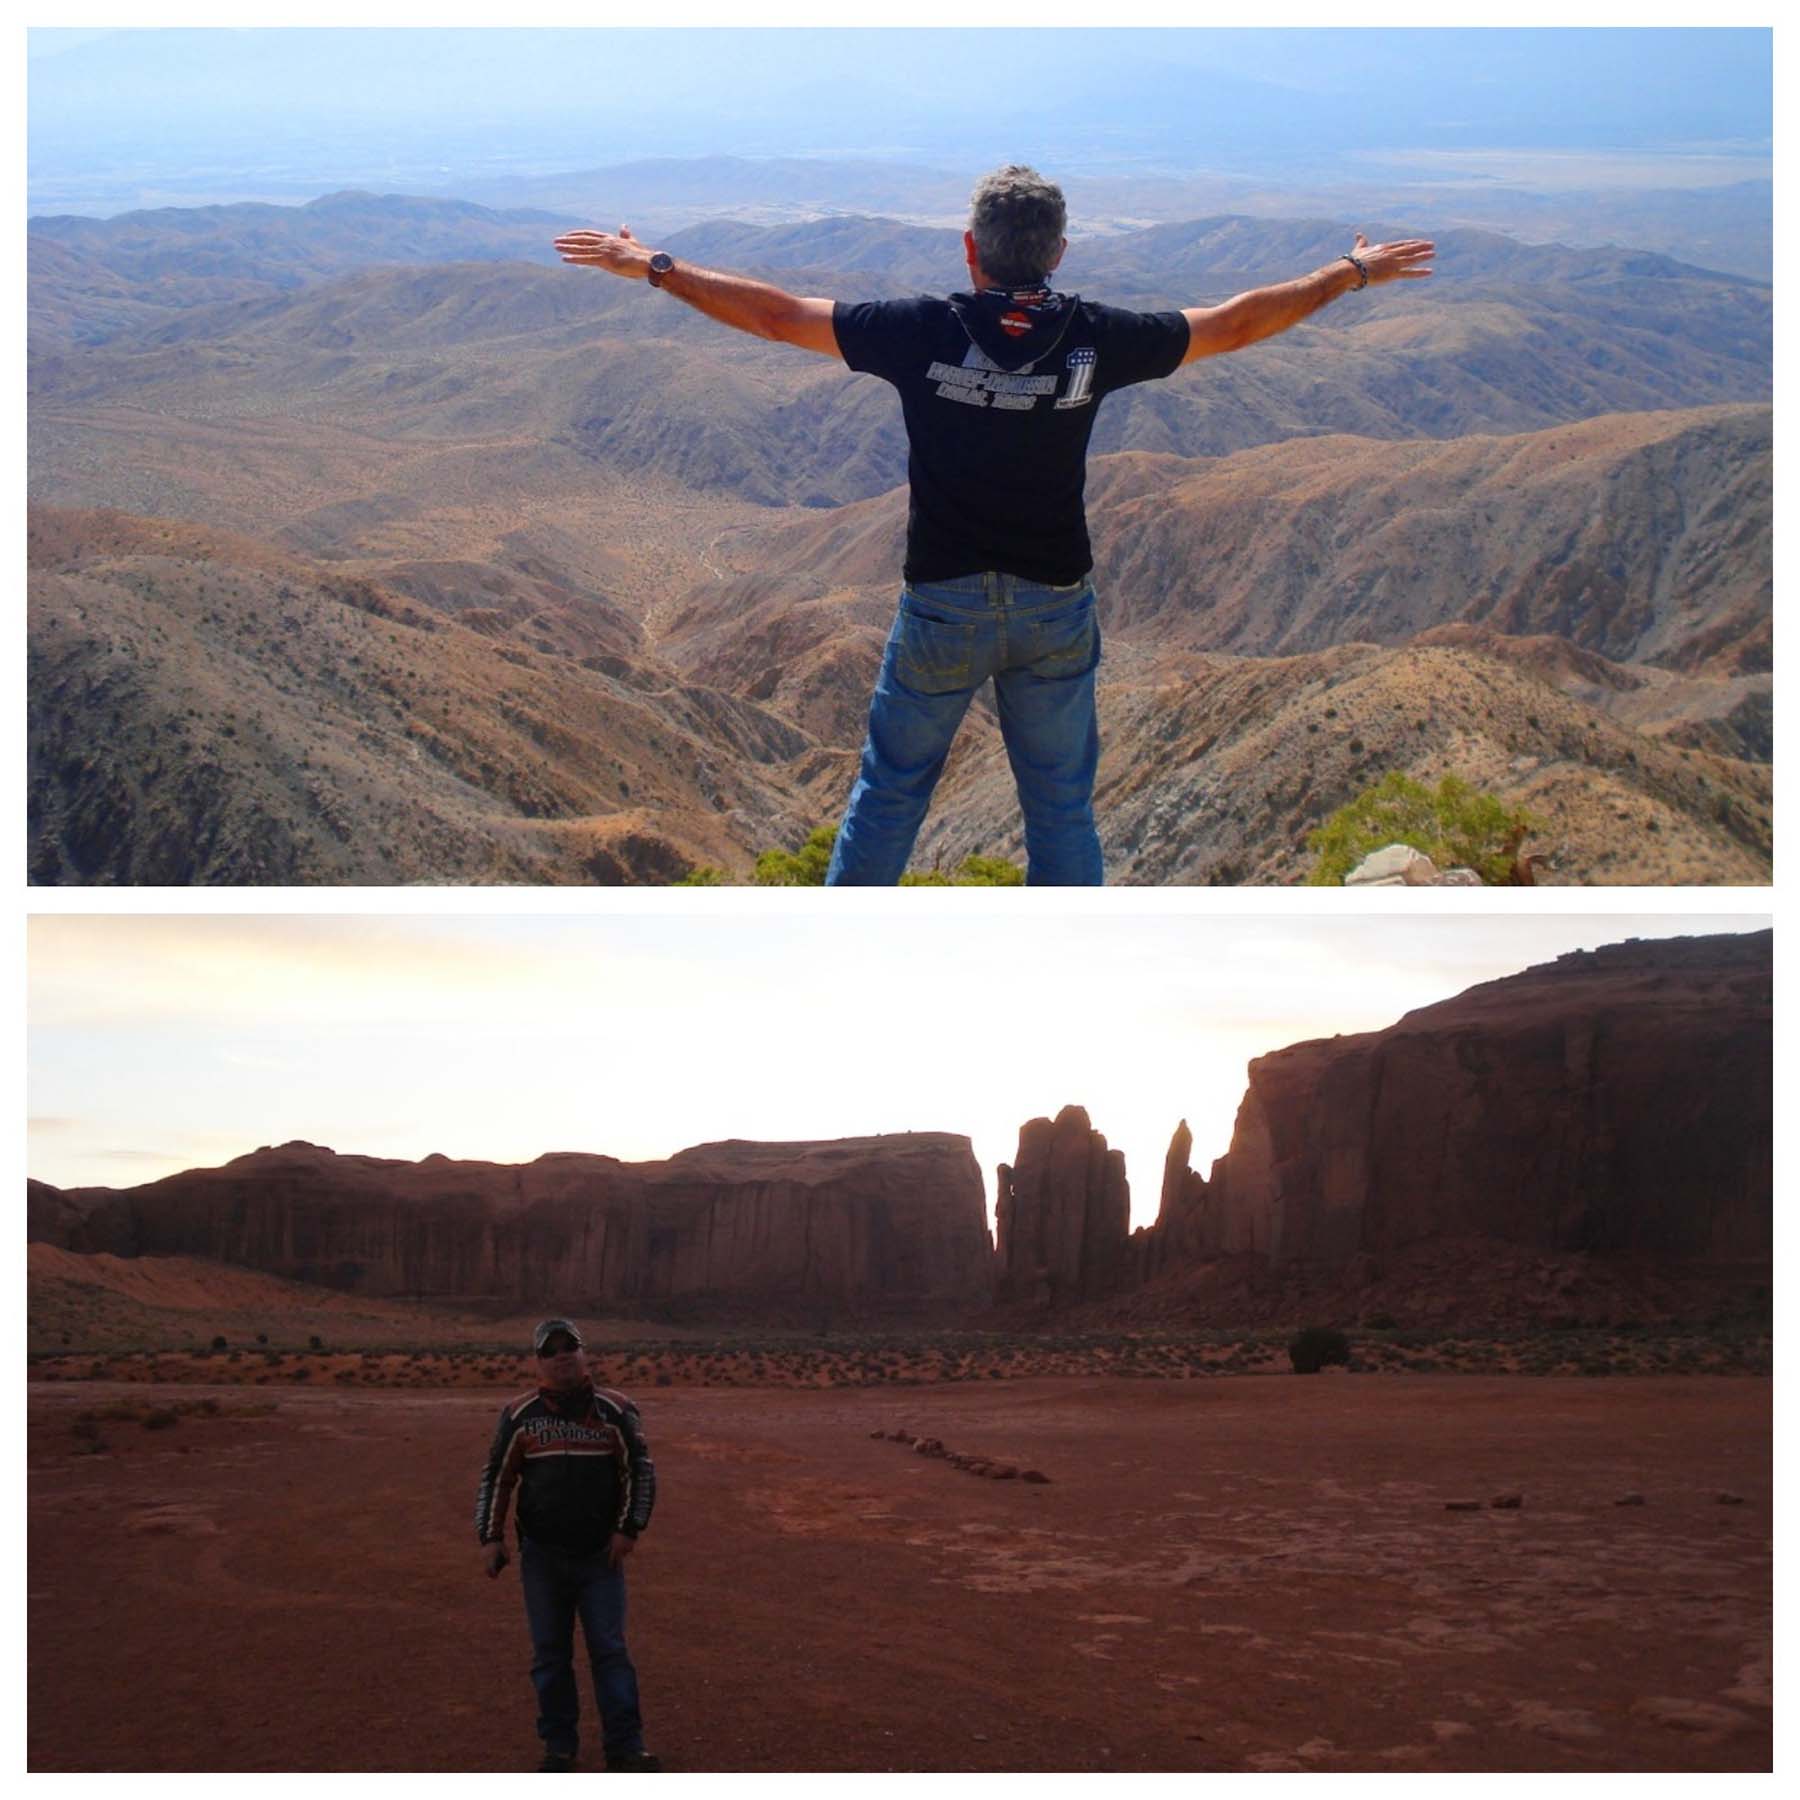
[(162, 1043), (415, 109)]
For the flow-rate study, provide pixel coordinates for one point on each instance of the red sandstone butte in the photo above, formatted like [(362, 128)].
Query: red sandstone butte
[(1613, 1101), (897, 1219), (1062, 1213)]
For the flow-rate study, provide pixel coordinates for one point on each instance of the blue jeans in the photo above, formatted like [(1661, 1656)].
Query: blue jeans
[(559, 1586), (1041, 646)]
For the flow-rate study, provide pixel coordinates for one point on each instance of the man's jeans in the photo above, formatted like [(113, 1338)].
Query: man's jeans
[(1041, 646), (560, 1585)]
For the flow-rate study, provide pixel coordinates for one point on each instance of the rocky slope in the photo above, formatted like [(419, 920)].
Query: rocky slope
[(1214, 769), (885, 1222), (206, 708), (1643, 537)]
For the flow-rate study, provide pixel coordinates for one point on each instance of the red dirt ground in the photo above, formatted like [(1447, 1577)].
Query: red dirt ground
[(1234, 1574)]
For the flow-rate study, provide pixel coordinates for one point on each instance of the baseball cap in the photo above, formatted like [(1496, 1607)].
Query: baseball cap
[(549, 1329)]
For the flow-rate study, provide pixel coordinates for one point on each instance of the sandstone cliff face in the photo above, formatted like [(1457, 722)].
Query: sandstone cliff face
[(1617, 1101), (896, 1220), (1062, 1213)]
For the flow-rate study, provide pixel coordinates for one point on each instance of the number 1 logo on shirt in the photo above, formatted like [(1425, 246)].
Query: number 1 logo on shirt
[(1081, 378)]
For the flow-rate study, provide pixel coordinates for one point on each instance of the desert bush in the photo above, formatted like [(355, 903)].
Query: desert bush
[(1453, 824), (219, 1343), (1381, 1321), (804, 867), (1310, 1350), (315, 1343), (972, 871), (161, 1419)]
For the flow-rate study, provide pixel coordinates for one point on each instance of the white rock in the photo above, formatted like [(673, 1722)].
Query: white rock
[(1395, 865), (1459, 878)]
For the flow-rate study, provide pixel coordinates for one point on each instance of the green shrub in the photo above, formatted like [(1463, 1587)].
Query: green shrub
[(1453, 824), (972, 871), (806, 867), (1311, 1349)]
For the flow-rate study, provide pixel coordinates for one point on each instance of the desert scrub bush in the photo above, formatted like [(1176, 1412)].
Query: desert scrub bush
[(806, 867), (1310, 1350), (1453, 824), (161, 1418), (972, 871)]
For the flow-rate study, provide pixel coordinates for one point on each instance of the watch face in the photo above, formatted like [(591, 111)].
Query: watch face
[(660, 264)]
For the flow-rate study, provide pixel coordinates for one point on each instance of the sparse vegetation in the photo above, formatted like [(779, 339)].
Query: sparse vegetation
[(807, 867), (972, 871)]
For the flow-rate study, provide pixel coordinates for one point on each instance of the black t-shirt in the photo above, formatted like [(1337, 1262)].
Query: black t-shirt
[(997, 457)]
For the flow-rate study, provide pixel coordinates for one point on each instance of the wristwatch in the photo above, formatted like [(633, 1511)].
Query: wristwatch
[(660, 265)]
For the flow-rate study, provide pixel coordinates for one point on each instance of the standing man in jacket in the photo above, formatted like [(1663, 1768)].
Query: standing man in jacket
[(577, 1457), (999, 388)]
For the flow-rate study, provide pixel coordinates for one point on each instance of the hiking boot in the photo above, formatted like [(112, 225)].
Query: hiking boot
[(557, 1762), (633, 1762)]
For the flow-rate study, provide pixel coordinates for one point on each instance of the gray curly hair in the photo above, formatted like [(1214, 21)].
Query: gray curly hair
[(1016, 218)]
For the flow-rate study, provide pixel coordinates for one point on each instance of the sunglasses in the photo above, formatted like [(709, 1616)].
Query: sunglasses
[(557, 1347)]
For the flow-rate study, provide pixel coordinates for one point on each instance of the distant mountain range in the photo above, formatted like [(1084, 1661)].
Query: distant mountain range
[(641, 567)]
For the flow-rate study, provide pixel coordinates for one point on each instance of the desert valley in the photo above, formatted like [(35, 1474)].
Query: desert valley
[(934, 1496), (368, 545)]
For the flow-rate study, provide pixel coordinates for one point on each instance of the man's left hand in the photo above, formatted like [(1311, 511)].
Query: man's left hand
[(617, 254), (1407, 260), (619, 1548)]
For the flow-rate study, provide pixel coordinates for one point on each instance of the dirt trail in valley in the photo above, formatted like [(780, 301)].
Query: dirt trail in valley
[(1256, 1573)]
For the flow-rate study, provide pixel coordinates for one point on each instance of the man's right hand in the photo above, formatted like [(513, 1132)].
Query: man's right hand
[(494, 1558)]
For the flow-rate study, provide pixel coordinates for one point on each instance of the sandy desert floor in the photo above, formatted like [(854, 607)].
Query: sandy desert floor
[(1249, 1573)]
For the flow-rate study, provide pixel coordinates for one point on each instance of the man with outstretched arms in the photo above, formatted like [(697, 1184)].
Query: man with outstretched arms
[(576, 1456), (998, 387)]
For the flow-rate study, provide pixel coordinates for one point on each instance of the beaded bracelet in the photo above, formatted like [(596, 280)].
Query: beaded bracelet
[(1358, 267)]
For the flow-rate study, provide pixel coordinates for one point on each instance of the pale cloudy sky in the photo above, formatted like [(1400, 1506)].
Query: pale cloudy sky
[(162, 1043)]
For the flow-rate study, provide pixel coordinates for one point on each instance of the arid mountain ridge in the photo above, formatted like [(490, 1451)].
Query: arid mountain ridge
[(1510, 338), (1613, 1107), (395, 717), (504, 448)]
